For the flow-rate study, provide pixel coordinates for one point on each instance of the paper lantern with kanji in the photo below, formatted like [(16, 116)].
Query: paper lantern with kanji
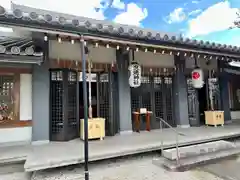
[(197, 78), (135, 75)]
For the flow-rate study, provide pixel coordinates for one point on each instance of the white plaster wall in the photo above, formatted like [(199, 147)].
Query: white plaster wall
[(190, 63), (68, 51), (154, 60), (26, 97), (235, 115), (14, 135)]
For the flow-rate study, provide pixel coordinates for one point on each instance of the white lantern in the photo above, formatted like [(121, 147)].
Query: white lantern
[(197, 78), (135, 75)]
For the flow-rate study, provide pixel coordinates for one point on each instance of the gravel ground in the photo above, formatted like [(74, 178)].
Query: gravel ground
[(133, 168)]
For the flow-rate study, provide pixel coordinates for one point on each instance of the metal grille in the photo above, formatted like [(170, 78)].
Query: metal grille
[(169, 101), (104, 99), (56, 103), (72, 104), (155, 94), (163, 89), (63, 88), (192, 103), (140, 97), (146, 93), (159, 102), (135, 99)]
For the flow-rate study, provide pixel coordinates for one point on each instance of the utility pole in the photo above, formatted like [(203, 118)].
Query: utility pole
[(83, 53)]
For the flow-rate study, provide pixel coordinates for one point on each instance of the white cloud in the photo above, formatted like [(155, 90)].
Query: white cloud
[(197, 11), (118, 4), (132, 16), (218, 17), (177, 16)]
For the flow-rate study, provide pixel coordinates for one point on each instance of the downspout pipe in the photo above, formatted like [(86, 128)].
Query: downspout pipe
[(86, 149)]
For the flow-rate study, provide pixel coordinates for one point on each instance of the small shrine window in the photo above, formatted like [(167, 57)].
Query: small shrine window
[(7, 99)]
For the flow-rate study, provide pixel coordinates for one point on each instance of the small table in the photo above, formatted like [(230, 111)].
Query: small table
[(137, 116)]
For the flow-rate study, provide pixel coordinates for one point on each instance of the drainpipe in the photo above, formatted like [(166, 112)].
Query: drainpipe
[(90, 88), (83, 54)]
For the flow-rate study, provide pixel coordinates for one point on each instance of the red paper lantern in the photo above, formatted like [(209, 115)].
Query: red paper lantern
[(195, 75), (197, 78)]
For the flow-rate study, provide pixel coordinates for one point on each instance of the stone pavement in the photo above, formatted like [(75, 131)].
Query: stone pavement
[(56, 154), (134, 168), (14, 153), (227, 169)]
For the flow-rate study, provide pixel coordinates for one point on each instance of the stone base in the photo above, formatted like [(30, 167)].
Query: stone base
[(125, 132), (183, 126), (196, 150), (198, 160), (41, 142), (228, 122)]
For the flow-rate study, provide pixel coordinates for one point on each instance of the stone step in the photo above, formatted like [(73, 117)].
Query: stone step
[(14, 171), (191, 162), (196, 150)]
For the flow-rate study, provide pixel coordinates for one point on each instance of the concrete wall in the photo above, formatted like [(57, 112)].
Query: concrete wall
[(40, 104), (16, 135), (180, 93), (224, 95), (125, 114)]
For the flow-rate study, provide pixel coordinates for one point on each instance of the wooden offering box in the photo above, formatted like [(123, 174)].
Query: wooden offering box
[(214, 118), (96, 128)]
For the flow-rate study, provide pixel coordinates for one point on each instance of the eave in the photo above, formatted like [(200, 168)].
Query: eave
[(20, 59), (103, 31), (20, 50)]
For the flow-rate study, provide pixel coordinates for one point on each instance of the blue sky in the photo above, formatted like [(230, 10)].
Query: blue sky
[(208, 20)]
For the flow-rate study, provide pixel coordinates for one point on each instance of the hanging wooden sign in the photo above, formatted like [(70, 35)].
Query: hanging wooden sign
[(135, 75)]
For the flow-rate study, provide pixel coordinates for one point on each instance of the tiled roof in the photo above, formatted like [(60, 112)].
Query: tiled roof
[(46, 19), (19, 46)]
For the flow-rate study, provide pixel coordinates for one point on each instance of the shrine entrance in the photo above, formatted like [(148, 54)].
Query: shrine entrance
[(103, 94), (64, 124), (66, 101), (199, 100), (156, 95)]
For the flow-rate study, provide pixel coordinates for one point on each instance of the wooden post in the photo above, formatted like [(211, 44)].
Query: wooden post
[(148, 116), (137, 121)]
